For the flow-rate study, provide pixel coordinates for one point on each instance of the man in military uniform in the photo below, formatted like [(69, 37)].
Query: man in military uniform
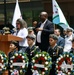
[(54, 51), (31, 51)]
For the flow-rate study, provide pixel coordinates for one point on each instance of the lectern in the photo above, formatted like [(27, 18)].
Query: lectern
[(5, 42)]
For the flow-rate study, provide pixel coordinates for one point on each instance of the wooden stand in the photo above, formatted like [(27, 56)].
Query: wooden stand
[(5, 42)]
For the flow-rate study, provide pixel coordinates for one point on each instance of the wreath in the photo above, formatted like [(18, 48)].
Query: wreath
[(64, 64), (19, 61), (3, 62), (41, 63)]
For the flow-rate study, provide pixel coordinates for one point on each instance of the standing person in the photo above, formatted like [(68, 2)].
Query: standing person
[(14, 46), (54, 51), (21, 32), (44, 29), (68, 40), (61, 40), (31, 51), (72, 48)]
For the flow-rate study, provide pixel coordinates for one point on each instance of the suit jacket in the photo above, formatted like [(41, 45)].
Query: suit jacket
[(47, 30), (61, 42)]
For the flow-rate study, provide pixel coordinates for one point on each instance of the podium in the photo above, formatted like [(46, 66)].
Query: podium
[(5, 42)]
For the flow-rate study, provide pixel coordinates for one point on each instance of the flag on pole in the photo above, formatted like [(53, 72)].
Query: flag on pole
[(17, 14), (58, 16)]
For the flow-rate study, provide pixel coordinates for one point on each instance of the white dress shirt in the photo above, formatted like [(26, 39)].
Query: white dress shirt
[(39, 32), (22, 34), (68, 43)]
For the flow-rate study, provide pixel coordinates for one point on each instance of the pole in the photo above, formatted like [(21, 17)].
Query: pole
[(5, 14)]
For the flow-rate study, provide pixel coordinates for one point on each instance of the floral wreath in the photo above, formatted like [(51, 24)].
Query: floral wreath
[(64, 64), (19, 61), (3, 62), (41, 63)]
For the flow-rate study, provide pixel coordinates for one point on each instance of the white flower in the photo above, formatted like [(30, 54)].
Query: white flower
[(11, 66), (16, 54), (46, 68), (32, 66), (69, 73), (23, 61), (23, 66), (13, 57), (22, 56), (57, 71), (59, 58), (45, 58), (56, 66), (39, 54), (57, 61), (11, 61), (2, 60), (43, 55), (1, 57), (32, 70), (46, 62), (43, 73), (20, 71), (2, 66), (67, 55), (5, 68), (11, 70), (36, 55), (33, 61), (70, 59)]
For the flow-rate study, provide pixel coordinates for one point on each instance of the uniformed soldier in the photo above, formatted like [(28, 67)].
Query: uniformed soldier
[(31, 51), (14, 46), (54, 51)]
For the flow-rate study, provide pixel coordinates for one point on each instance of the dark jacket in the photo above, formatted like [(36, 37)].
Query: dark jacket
[(54, 53), (31, 52), (47, 30), (61, 42)]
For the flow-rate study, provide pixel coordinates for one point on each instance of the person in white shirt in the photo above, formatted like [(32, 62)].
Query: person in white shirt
[(68, 39), (21, 32)]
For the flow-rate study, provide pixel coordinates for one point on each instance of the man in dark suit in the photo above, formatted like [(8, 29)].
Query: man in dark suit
[(44, 29)]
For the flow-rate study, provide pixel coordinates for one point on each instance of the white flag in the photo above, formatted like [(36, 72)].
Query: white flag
[(17, 14), (58, 16)]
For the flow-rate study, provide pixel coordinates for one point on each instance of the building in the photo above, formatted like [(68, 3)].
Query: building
[(31, 8)]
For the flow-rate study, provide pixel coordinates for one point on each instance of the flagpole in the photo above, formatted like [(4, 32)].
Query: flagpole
[(5, 14)]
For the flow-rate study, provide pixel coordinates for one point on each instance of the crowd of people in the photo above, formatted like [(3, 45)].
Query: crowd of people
[(41, 37)]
